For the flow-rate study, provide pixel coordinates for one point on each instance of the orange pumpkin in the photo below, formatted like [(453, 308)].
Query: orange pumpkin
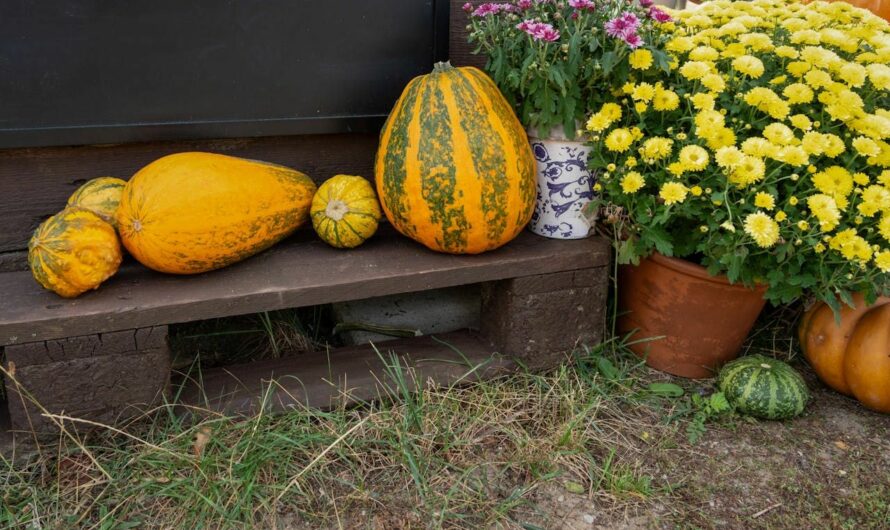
[(852, 357)]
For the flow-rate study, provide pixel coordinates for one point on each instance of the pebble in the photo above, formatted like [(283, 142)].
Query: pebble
[(561, 498), (588, 518)]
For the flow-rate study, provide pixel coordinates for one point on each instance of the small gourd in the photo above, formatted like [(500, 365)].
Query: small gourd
[(345, 211), (763, 387), (73, 252), (101, 196)]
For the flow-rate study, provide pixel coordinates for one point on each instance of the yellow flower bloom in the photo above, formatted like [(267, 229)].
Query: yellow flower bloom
[(643, 92), (693, 70), (640, 107), (703, 101), (611, 111), (714, 83), (884, 226), (874, 200), (673, 193), (798, 93), (764, 200), (704, 53), (729, 157), (781, 216), (665, 100), (694, 158), (632, 182), (866, 146), (882, 260), (749, 65), (640, 59), (598, 123), (696, 191), (825, 209), (619, 140), (800, 121), (778, 133), (656, 148), (803, 225), (835, 181), (762, 228)]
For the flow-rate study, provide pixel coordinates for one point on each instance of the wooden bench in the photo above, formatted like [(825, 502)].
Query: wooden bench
[(95, 356)]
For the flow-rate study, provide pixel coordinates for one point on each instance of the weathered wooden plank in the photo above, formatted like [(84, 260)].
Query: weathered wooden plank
[(300, 272), (344, 375), (35, 183), (459, 50)]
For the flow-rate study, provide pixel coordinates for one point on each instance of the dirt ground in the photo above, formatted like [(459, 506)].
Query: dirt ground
[(829, 468)]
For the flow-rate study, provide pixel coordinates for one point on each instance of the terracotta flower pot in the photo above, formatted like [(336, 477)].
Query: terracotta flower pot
[(703, 319)]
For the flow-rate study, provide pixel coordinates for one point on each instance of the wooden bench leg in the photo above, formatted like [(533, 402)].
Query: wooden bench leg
[(93, 377), (539, 319)]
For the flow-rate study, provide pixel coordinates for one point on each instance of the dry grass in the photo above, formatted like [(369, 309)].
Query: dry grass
[(586, 444)]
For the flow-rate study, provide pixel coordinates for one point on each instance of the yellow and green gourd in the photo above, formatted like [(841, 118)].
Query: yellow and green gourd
[(100, 196), (73, 252), (189, 213), (454, 169), (345, 211)]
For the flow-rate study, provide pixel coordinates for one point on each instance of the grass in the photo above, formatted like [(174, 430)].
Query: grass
[(589, 440)]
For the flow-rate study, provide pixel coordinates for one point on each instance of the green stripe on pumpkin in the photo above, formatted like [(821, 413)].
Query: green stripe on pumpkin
[(436, 156), (394, 160), (517, 142)]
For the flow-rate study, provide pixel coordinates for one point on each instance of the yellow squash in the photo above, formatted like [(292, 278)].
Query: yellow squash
[(193, 212), (345, 211), (100, 196), (73, 251)]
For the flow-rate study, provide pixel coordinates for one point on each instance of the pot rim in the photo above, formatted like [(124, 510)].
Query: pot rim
[(697, 271)]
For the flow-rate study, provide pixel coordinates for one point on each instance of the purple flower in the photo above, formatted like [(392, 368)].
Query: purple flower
[(468, 7), (492, 9), (645, 3), (539, 30), (633, 40), (622, 26), (658, 15), (582, 4), (524, 4)]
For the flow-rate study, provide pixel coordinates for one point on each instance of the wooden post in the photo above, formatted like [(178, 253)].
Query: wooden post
[(539, 319), (102, 377)]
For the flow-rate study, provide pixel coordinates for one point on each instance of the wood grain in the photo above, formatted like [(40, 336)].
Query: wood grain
[(301, 271), (35, 183)]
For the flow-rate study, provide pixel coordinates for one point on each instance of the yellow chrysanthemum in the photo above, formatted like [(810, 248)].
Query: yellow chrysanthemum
[(801, 121), (825, 209), (619, 140), (673, 193), (656, 148), (598, 123), (835, 181), (778, 133), (749, 65), (640, 59), (665, 100), (694, 158), (729, 157), (693, 70), (866, 146), (874, 199), (611, 111), (632, 182), (764, 200), (762, 228), (882, 260), (643, 92), (798, 93)]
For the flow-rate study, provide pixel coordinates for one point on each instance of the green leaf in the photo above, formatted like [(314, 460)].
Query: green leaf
[(608, 62), (666, 389), (606, 368), (574, 487)]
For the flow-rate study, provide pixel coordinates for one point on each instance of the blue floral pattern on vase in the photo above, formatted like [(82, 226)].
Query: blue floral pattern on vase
[(565, 186)]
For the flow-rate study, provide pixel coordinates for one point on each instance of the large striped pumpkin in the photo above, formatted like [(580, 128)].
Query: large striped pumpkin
[(454, 168)]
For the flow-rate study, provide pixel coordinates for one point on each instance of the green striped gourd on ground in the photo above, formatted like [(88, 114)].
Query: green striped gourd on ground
[(454, 169), (763, 387)]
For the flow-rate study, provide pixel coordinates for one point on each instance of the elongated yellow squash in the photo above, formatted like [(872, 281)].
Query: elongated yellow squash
[(194, 212)]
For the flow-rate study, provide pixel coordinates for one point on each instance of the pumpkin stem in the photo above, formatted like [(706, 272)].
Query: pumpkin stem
[(442, 66)]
